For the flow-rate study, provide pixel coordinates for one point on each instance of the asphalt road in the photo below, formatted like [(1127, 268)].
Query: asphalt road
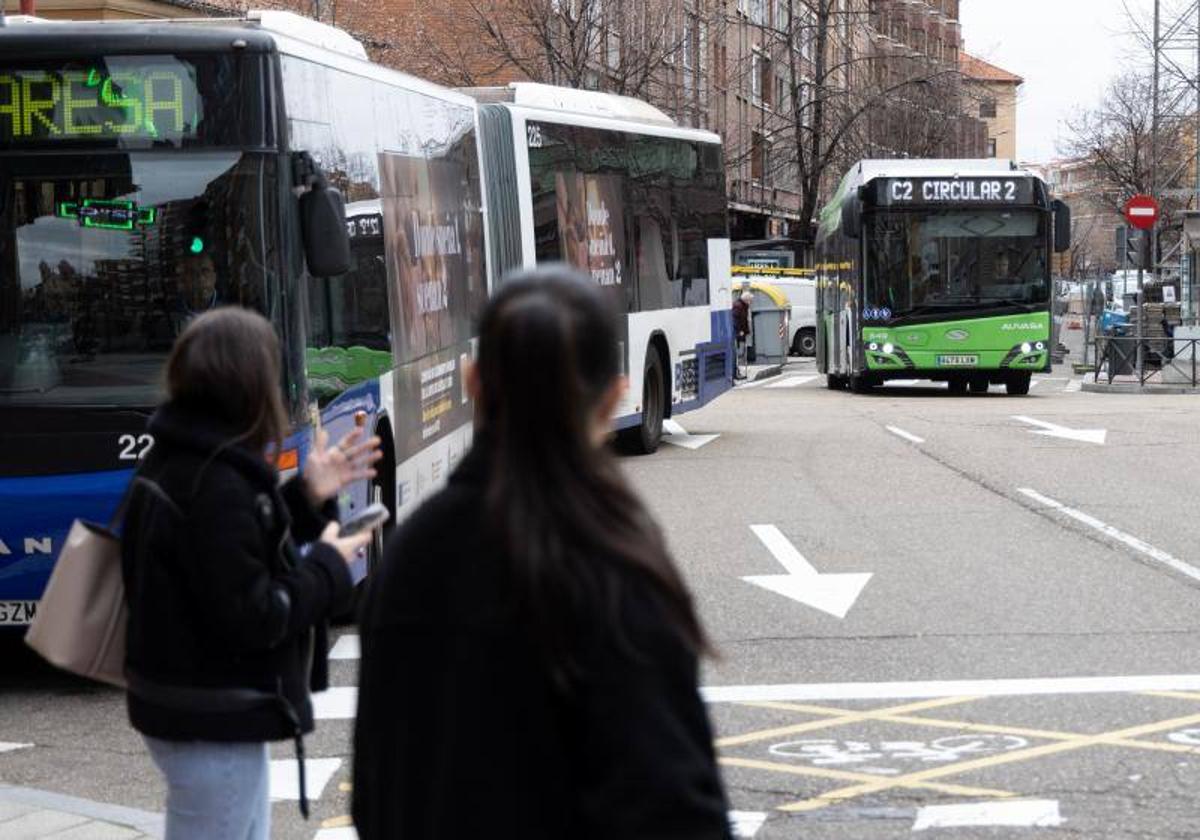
[(1019, 582)]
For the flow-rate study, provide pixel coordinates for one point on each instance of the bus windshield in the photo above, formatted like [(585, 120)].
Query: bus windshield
[(945, 261), (105, 257)]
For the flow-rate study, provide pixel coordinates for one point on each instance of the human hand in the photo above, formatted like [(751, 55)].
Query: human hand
[(330, 468), (348, 547)]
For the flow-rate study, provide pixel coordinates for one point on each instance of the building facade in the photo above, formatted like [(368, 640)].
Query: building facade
[(994, 91)]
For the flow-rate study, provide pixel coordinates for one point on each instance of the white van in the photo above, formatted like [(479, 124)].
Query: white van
[(801, 290)]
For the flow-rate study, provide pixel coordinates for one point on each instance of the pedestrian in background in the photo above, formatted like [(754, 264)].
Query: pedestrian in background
[(741, 330), (529, 650), (226, 611)]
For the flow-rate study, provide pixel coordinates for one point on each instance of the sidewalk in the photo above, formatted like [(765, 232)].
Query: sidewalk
[(28, 814), (756, 372)]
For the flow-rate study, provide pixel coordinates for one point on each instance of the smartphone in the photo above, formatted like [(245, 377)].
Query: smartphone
[(368, 519)]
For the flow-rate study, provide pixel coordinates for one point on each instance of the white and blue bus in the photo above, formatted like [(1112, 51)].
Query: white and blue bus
[(614, 187), (151, 170)]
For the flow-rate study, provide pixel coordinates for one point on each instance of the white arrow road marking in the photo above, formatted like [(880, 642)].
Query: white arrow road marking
[(1026, 687), (1096, 436), (1029, 813), (792, 382), (10, 746), (337, 703), (676, 435), (346, 648), (284, 780), (1140, 546), (746, 823), (833, 593), (908, 436)]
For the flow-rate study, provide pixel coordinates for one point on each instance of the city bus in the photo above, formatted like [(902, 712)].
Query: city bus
[(939, 270), (152, 170), (612, 186)]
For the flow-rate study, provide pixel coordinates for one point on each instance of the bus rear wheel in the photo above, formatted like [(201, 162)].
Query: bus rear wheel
[(1017, 385), (863, 383), (644, 438), (834, 383)]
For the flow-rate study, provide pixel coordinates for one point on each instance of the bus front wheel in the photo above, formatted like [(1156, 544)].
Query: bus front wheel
[(834, 383), (643, 439), (979, 386), (1018, 384), (957, 386)]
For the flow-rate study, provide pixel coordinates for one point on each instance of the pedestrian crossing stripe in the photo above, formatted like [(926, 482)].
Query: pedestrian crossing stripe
[(284, 778)]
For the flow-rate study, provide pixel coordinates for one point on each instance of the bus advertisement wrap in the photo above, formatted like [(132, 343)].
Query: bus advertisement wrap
[(432, 246)]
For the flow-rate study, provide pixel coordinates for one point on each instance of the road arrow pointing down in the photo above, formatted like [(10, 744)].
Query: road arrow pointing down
[(1096, 436), (834, 593)]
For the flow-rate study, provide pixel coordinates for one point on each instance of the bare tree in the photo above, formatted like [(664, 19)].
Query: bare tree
[(846, 101)]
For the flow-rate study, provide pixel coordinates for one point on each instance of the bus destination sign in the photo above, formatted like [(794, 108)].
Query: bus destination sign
[(902, 191), (149, 100)]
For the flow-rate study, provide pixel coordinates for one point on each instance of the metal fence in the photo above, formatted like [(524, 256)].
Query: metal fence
[(1165, 361)]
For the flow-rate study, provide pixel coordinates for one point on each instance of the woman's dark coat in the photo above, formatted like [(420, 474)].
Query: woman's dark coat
[(461, 733), (220, 596)]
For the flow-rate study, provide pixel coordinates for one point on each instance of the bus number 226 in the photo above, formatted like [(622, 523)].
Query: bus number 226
[(134, 447)]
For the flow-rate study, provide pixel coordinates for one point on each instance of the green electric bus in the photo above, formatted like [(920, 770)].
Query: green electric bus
[(938, 270)]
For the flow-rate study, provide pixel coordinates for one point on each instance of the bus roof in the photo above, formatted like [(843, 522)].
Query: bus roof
[(569, 100), (287, 24)]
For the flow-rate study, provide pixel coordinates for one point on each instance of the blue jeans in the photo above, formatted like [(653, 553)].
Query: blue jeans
[(215, 791)]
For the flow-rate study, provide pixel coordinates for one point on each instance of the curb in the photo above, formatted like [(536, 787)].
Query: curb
[(146, 822), (768, 372), (1134, 389)]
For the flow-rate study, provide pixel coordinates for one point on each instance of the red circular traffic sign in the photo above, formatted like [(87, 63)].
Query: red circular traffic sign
[(1141, 211)]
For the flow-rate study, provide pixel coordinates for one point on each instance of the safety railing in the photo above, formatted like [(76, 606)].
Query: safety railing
[(1165, 361)]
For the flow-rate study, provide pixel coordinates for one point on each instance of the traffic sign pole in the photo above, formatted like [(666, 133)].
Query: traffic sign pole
[(1142, 212)]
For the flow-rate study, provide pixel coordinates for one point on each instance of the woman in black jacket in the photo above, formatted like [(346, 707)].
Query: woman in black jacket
[(229, 577), (529, 650)]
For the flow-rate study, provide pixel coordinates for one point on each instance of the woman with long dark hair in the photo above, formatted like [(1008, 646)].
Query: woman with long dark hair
[(529, 650), (230, 578)]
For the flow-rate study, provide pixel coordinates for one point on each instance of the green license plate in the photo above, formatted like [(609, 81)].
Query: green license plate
[(957, 361)]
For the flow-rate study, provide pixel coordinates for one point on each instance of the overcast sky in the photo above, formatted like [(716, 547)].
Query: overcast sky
[(1066, 50)]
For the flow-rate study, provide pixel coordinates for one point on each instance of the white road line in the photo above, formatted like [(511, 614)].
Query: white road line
[(746, 823), (908, 436), (284, 780), (1140, 546), (904, 383), (1073, 386), (338, 703), (1029, 813), (1033, 383), (921, 690), (347, 647), (10, 746), (792, 382)]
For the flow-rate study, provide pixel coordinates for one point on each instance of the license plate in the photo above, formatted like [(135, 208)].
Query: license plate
[(957, 361), (17, 613)]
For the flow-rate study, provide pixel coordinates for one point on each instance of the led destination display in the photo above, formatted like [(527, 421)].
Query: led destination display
[(138, 98), (902, 191)]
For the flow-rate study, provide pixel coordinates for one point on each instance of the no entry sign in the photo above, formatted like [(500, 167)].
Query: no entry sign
[(1141, 211)]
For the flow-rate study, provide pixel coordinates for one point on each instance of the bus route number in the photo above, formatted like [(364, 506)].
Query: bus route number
[(134, 447), (534, 133)]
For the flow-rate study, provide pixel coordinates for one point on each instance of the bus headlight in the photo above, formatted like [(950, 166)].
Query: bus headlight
[(1026, 347), (872, 346), (1041, 345), (889, 349)]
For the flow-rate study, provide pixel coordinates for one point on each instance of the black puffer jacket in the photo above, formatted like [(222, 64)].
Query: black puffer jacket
[(220, 595)]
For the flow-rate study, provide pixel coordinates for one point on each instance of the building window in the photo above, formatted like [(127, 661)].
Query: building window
[(760, 151), (991, 147), (767, 84), (720, 58), (987, 107)]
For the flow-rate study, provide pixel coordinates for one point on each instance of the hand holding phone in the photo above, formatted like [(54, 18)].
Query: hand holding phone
[(368, 519)]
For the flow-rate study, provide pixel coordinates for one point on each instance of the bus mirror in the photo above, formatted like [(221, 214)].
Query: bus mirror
[(323, 223), (852, 217), (1062, 226)]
